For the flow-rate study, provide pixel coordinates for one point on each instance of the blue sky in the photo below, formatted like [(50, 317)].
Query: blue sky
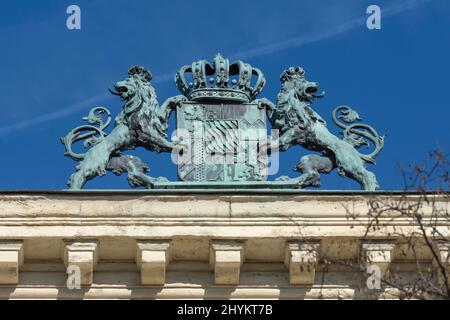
[(396, 78)]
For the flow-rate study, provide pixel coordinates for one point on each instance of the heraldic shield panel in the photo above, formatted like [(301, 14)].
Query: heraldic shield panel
[(221, 142)]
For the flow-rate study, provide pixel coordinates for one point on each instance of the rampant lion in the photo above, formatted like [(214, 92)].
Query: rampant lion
[(141, 123), (299, 124)]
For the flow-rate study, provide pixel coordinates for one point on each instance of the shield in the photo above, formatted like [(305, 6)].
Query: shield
[(221, 142)]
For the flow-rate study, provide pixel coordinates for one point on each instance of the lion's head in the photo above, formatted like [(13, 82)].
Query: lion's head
[(135, 90), (294, 79)]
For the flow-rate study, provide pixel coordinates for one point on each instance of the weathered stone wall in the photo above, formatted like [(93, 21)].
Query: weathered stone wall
[(173, 244)]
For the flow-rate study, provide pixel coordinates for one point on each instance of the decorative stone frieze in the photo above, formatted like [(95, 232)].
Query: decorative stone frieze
[(443, 251), (11, 259), (379, 253), (301, 258), (83, 254), (226, 258), (203, 245), (152, 258)]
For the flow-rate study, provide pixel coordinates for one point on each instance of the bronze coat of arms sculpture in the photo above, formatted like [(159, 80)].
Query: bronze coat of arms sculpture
[(221, 138)]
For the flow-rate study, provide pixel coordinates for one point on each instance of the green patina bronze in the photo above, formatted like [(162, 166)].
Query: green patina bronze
[(300, 125), (221, 138)]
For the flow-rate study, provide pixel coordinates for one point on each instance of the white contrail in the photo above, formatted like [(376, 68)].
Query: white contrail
[(334, 31), (270, 48), (84, 104), (52, 115)]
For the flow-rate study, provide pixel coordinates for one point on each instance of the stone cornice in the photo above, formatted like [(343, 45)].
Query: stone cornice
[(90, 209), (186, 244)]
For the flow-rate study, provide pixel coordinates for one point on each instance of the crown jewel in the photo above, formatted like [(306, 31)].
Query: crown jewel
[(211, 82)]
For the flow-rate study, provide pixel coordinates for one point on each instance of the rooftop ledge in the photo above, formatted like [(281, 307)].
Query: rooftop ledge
[(212, 243), (201, 209), (240, 191)]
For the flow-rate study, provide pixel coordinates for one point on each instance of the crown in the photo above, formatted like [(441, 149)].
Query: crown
[(292, 72), (140, 71), (211, 82)]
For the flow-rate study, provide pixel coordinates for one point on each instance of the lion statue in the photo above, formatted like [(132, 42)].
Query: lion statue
[(299, 124), (141, 123)]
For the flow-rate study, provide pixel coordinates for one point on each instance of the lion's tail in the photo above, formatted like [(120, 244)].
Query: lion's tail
[(358, 134), (91, 133)]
